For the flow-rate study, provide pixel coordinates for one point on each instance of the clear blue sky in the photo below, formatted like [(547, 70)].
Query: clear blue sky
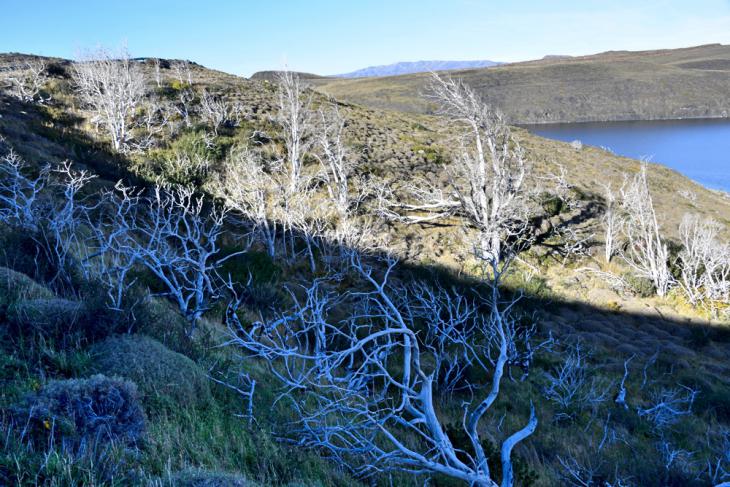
[(328, 36)]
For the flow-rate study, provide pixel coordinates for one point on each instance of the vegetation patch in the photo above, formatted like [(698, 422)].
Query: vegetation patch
[(163, 376)]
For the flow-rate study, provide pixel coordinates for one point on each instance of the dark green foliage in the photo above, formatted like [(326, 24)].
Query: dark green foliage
[(15, 286), (553, 205), (431, 154), (699, 336), (264, 273), (65, 321), (52, 318), (159, 319), (259, 265), (641, 286), (164, 377), (80, 412), (18, 251), (185, 161), (57, 69)]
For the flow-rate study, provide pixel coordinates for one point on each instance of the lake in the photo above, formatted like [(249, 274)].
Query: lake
[(699, 149)]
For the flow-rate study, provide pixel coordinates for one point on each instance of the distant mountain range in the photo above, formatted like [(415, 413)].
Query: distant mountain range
[(415, 67)]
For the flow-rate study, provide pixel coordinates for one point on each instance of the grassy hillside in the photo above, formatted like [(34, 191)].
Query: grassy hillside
[(194, 430), (649, 85)]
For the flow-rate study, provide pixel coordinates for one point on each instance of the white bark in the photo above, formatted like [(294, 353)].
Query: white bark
[(111, 86), (250, 192), (176, 238), (362, 385), (704, 262), (26, 85), (646, 253), (486, 179), (296, 119), (611, 223)]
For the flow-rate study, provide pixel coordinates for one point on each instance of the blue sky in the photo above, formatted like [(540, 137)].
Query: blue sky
[(328, 36)]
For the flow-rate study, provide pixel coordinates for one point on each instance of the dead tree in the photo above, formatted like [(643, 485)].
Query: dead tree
[(296, 119), (250, 191), (667, 406), (646, 250), (111, 86), (486, 179), (47, 207), (345, 190), (19, 192), (704, 262), (611, 222), (363, 385), (27, 84), (214, 110), (104, 261), (571, 386), (176, 237)]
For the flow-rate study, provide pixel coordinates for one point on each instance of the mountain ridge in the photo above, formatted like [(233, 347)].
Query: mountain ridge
[(411, 67)]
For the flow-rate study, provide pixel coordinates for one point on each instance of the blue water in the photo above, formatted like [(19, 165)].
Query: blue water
[(699, 149)]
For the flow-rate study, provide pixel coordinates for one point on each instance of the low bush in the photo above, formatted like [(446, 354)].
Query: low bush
[(16, 286), (159, 319), (53, 318), (202, 478), (162, 376), (81, 413), (552, 205), (640, 286)]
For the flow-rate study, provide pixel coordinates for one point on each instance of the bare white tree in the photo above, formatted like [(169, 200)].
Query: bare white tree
[(363, 385), (571, 385), (296, 119), (151, 120), (182, 72), (345, 190), (174, 236), (20, 192), (103, 261), (611, 223), (60, 236), (47, 206), (718, 463), (646, 250), (251, 192), (704, 262), (112, 87), (486, 179), (214, 110), (158, 76), (667, 406), (27, 84)]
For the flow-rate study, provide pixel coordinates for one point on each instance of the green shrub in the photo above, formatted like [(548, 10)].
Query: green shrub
[(262, 268), (178, 85), (431, 154), (78, 413), (552, 205), (202, 478), (186, 160), (54, 318), (160, 319), (15, 286), (641, 286), (162, 376)]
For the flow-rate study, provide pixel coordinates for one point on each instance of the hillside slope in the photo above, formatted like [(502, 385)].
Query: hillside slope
[(204, 439), (667, 84)]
